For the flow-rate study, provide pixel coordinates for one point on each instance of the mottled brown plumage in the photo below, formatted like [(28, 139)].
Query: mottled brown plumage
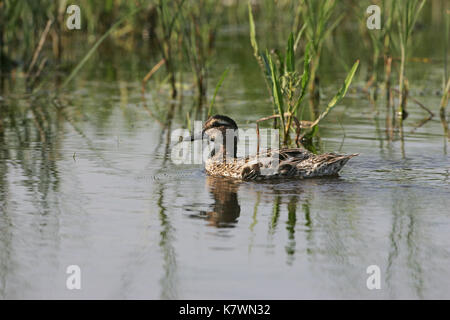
[(271, 164)]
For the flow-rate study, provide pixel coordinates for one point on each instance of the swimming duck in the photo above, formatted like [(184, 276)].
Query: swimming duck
[(270, 164)]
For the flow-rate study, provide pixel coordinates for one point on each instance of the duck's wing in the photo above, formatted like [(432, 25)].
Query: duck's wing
[(294, 154), (326, 164), (281, 154), (302, 163), (266, 164), (291, 163)]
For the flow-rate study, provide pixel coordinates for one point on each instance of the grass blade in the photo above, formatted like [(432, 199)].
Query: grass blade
[(276, 90), (95, 46), (290, 57), (252, 31), (341, 93), (445, 96), (305, 77), (299, 36), (219, 84)]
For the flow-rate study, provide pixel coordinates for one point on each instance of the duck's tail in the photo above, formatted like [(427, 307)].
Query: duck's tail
[(335, 164), (328, 164)]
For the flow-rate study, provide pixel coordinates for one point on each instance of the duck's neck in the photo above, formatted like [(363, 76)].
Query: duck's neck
[(225, 152)]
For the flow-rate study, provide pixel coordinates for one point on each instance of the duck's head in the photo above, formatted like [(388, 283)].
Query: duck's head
[(223, 131), (218, 126)]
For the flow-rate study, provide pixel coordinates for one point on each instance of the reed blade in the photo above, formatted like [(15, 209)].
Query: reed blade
[(252, 31), (341, 94), (276, 90), (304, 80), (290, 56), (95, 46), (219, 84)]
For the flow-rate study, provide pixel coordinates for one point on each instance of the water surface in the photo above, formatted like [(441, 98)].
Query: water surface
[(91, 183)]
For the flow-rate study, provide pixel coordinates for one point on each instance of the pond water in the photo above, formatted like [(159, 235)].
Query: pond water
[(88, 181)]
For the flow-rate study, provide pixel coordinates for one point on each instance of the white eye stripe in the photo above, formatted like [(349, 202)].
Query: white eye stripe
[(222, 122)]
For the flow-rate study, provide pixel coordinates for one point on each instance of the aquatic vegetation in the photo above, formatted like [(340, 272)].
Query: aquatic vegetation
[(393, 43), (288, 88), (219, 84), (179, 39), (446, 79), (379, 41), (285, 85), (95, 46), (445, 96), (86, 133), (199, 23), (408, 12), (168, 14), (319, 20)]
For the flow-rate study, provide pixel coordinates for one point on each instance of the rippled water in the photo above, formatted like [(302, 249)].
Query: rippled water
[(100, 191)]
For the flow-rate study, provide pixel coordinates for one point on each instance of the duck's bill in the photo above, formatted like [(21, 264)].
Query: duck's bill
[(196, 136)]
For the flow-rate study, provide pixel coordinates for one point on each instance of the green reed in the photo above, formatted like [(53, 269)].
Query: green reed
[(21, 23), (168, 15), (287, 86), (446, 79), (219, 84), (199, 23), (380, 40), (407, 14), (80, 64), (320, 20), (183, 32), (445, 98)]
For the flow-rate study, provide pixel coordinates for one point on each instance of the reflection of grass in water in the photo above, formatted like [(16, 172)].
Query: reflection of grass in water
[(30, 129), (168, 281), (405, 232), (6, 234), (255, 220), (290, 227)]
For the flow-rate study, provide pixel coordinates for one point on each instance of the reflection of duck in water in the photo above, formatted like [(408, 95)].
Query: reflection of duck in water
[(226, 209), (282, 163)]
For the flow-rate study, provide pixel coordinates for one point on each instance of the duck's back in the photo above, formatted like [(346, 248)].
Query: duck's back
[(280, 163)]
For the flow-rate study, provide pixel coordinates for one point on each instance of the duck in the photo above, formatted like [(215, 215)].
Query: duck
[(270, 164)]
